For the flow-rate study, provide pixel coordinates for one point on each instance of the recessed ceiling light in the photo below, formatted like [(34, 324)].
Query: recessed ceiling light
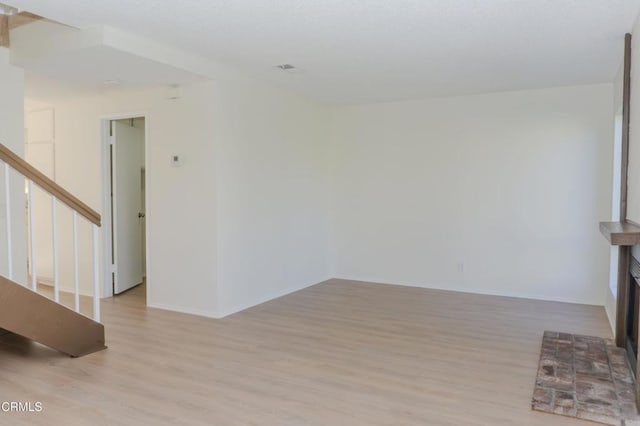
[(111, 82)]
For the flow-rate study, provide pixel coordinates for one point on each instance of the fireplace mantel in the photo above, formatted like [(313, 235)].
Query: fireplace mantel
[(621, 233), (624, 235)]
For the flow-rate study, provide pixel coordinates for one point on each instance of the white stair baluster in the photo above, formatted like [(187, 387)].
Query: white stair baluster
[(96, 284), (7, 196), (54, 238), (76, 287), (32, 240)]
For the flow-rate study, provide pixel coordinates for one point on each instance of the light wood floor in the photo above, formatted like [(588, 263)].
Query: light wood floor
[(338, 353)]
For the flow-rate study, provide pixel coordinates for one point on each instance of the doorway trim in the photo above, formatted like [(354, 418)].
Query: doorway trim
[(108, 270)]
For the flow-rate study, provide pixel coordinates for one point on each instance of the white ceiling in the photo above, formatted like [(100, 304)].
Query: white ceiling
[(379, 50), (86, 71)]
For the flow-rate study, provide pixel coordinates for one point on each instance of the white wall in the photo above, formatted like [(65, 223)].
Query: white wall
[(12, 136), (498, 193), (40, 152), (244, 218), (181, 250), (272, 189), (611, 293), (633, 182), (633, 176)]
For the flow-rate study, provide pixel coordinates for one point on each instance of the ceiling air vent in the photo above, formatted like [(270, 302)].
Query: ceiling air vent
[(286, 67)]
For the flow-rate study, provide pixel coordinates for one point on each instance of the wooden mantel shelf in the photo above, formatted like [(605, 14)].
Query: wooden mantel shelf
[(621, 233)]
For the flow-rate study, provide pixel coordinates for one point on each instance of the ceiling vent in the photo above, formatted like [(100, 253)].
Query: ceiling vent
[(286, 67)]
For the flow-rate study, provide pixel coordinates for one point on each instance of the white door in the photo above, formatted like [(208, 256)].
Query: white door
[(128, 161)]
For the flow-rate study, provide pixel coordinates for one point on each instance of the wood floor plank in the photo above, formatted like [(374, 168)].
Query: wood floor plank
[(338, 353)]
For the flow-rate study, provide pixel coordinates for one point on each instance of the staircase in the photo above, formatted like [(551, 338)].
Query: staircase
[(23, 310)]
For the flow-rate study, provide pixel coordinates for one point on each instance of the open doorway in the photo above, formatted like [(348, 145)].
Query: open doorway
[(126, 204)]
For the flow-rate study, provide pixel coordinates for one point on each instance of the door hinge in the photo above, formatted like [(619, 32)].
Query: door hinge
[(112, 140)]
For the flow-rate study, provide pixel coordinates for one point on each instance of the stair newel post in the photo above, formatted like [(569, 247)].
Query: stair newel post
[(7, 196), (96, 273)]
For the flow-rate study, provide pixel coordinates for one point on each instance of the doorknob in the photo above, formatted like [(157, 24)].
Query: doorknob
[(141, 215)]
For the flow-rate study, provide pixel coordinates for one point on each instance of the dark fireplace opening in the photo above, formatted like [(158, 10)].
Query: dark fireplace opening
[(633, 314)]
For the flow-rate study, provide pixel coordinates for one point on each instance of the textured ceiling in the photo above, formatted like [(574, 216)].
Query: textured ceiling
[(379, 50)]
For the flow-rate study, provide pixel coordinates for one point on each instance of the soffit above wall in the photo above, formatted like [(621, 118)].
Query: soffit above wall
[(59, 60)]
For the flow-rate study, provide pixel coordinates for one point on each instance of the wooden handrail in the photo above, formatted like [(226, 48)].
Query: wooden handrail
[(33, 174)]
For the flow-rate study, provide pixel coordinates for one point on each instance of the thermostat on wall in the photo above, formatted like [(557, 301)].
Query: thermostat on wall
[(176, 160)]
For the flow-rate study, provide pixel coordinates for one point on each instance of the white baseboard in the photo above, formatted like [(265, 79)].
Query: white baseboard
[(183, 310), (242, 306), (48, 281), (513, 294), (63, 289), (610, 308)]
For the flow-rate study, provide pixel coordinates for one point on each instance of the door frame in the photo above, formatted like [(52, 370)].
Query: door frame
[(105, 142)]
